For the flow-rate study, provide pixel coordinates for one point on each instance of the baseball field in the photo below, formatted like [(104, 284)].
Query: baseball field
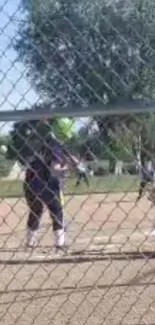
[(105, 277)]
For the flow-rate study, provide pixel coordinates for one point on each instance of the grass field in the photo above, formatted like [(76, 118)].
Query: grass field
[(104, 184)]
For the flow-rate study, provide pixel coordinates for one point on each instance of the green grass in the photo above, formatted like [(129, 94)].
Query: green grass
[(104, 184)]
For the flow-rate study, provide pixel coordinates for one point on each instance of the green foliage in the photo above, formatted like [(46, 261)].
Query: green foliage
[(90, 59), (88, 53)]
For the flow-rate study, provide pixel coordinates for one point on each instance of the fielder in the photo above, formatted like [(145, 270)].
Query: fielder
[(82, 173), (43, 185), (147, 181)]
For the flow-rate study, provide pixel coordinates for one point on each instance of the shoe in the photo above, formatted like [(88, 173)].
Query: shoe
[(61, 250), (31, 240), (59, 238)]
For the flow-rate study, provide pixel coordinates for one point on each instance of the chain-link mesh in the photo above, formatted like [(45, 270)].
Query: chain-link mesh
[(89, 259)]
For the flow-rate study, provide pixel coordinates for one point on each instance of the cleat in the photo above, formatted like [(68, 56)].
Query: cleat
[(31, 240), (61, 249), (59, 238)]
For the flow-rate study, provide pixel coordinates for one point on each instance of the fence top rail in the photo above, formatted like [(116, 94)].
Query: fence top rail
[(124, 108)]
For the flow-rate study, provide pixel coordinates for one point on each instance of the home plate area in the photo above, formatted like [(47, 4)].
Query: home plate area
[(106, 276), (95, 225)]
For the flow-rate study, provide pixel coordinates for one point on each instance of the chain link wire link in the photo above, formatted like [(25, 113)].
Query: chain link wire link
[(77, 162)]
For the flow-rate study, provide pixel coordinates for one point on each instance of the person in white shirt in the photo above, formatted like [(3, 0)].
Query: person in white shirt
[(82, 173)]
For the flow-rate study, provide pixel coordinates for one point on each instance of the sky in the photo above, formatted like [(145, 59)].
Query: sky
[(15, 90)]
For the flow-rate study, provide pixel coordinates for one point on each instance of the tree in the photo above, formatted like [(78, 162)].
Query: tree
[(90, 52), (95, 53)]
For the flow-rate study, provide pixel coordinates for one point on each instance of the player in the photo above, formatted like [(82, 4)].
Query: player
[(43, 186), (82, 173), (148, 178)]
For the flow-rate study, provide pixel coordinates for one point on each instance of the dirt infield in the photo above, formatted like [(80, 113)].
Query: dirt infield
[(105, 278)]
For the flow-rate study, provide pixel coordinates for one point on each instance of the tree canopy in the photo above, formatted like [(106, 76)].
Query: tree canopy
[(91, 52), (86, 52)]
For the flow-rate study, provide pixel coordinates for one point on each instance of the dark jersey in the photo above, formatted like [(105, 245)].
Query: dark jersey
[(37, 168), (40, 164)]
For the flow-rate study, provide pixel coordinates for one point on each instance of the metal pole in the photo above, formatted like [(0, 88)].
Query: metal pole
[(153, 231), (46, 112)]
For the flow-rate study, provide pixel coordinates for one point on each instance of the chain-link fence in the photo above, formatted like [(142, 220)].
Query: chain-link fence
[(77, 162)]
